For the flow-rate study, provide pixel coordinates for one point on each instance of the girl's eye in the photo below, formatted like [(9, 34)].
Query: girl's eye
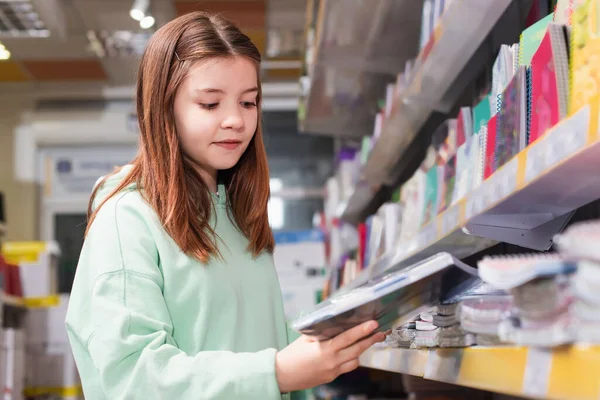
[(210, 106), (248, 104)]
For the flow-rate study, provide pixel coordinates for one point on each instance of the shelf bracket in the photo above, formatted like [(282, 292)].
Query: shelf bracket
[(537, 238)]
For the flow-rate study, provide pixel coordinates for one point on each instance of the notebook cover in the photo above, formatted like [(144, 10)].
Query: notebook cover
[(510, 119), (460, 130), (481, 114), (585, 47), (430, 206), (560, 49), (531, 39), (545, 109), (490, 148), (393, 298), (483, 138), (448, 184), (564, 11)]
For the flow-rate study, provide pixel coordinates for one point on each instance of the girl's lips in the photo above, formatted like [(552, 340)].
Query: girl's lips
[(229, 144)]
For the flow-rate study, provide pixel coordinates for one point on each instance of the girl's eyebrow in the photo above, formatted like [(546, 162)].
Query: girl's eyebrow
[(214, 90)]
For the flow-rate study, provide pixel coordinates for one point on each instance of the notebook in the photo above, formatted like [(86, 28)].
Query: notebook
[(431, 203), (564, 11), (490, 148), (481, 114), (391, 299), (549, 82), (467, 167), (511, 271), (502, 73), (464, 126), (531, 38), (512, 119), (448, 184), (412, 198), (585, 47), (480, 172)]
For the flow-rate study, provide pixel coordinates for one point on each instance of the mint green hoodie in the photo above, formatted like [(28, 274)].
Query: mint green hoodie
[(145, 321)]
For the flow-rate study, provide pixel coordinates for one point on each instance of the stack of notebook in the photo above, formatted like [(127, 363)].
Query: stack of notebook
[(580, 242), (482, 316), (541, 297), (441, 326)]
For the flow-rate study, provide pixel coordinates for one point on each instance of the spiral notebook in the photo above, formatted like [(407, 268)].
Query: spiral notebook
[(531, 38), (391, 299), (490, 148), (513, 119), (549, 82), (584, 50)]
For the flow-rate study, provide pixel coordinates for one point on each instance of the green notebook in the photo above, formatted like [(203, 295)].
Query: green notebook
[(531, 39), (481, 114)]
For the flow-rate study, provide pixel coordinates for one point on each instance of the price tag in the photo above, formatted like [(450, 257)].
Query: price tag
[(507, 180), (450, 220), (494, 194), (537, 372), (567, 138), (536, 161), (475, 203), (428, 235)]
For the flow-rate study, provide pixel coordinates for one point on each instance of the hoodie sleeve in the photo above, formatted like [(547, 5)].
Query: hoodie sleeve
[(131, 343)]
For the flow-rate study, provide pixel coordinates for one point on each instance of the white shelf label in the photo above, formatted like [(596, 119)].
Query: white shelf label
[(507, 180), (536, 160), (476, 202), (428, 235), (537, 372), (450, 220), (567, 138)]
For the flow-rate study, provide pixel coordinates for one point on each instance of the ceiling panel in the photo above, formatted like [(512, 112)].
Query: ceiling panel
[(12, 72), (73, 70), (248, 14)]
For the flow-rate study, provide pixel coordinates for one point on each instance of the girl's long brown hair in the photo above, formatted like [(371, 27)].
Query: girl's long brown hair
[(165, 176)]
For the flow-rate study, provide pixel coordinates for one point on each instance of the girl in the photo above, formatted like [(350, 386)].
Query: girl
[(176, 295)]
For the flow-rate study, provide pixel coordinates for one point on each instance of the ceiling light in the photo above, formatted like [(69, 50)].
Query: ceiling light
[(147, 22), (4, 54), (139, 9), (275, 184)]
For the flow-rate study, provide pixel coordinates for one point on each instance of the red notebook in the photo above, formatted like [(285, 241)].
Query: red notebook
[(490, 149), (549, 82)]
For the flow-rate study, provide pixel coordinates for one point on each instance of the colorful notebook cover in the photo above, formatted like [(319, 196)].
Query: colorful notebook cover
[(531, 39), (464, 126), (447, 183), (563, 12), (585, 47), (431, 196), (467, 167), (512, 119), (549, 65), (481, 114), (412, 199), (490, 148)]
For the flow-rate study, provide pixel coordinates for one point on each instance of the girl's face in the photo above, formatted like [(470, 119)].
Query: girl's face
[(216, 112)]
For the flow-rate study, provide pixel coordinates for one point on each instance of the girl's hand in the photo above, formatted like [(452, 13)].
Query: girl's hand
[(307, 363)]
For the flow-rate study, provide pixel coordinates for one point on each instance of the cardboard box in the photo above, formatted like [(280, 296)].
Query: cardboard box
[(38, 265), (14, 377), (51, 369), (45, 322)]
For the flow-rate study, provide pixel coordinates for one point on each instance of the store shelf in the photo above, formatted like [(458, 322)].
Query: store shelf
[(568, 372), (356, 54), (526, 202), (468, 34)]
